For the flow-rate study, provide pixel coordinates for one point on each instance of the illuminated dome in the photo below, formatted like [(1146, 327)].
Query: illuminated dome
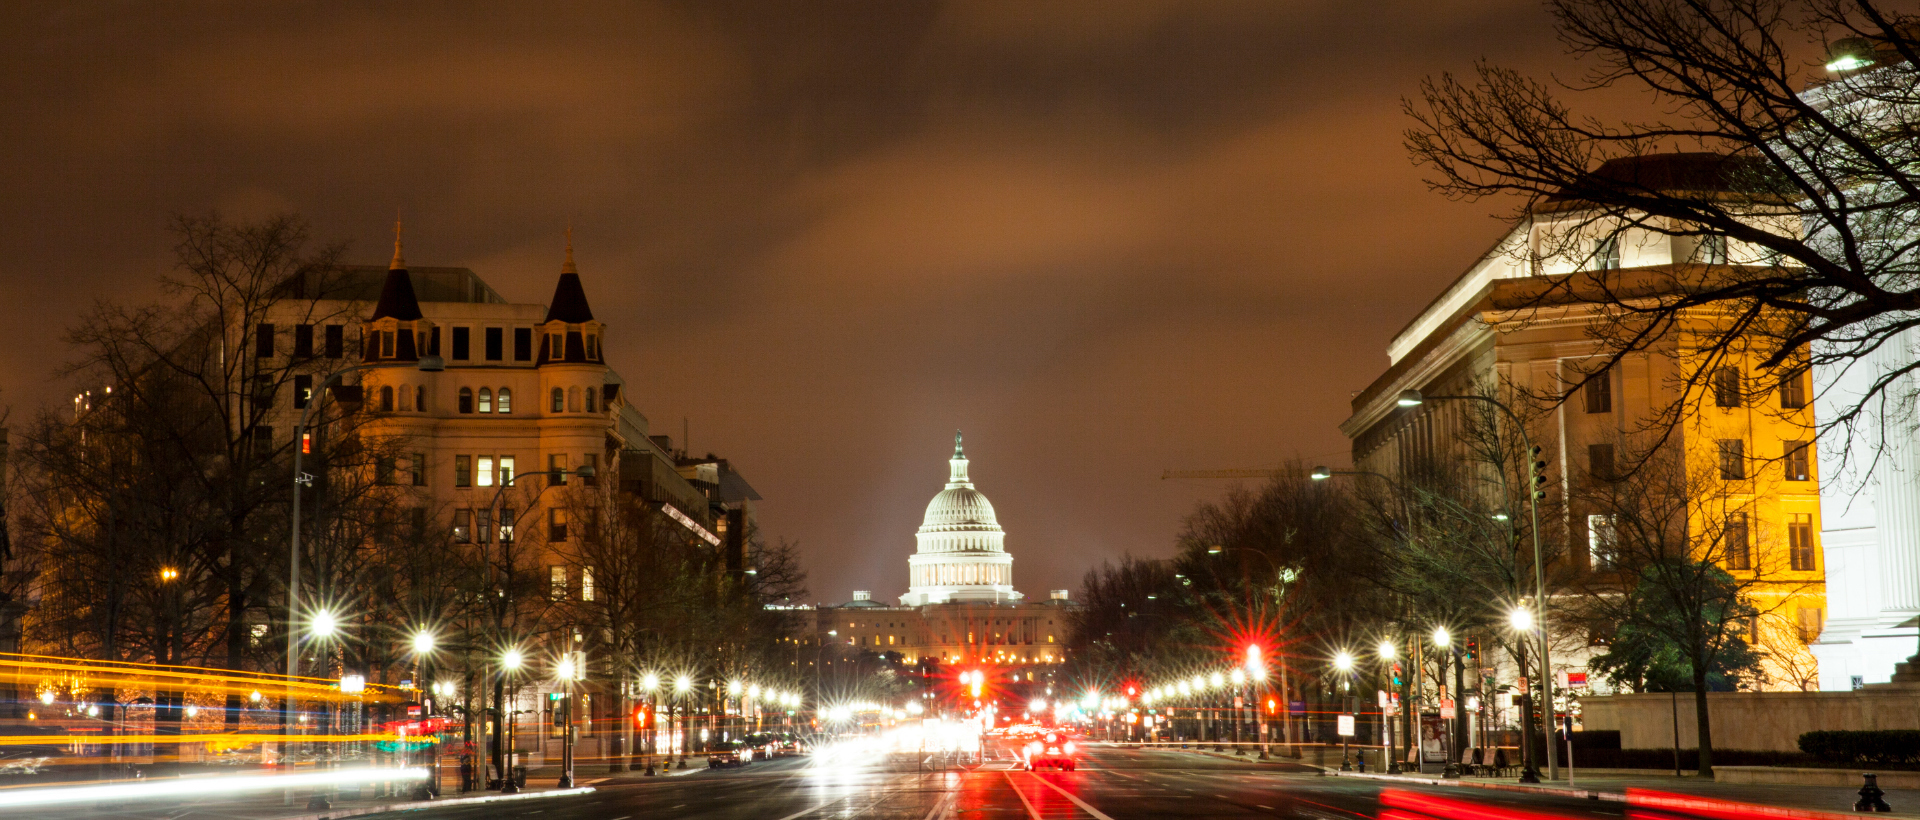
[(962, 552)]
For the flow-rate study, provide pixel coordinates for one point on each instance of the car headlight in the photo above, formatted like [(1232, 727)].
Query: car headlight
[(1069, 747)]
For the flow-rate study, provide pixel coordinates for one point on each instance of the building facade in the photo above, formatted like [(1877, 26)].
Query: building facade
[(1514, 325)]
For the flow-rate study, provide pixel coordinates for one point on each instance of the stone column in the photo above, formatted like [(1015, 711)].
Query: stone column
[(1897, 496)]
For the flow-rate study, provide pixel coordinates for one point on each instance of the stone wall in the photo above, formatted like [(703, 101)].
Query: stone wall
[(1760, 721)]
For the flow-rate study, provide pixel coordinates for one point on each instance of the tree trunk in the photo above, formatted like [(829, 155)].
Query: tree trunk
[(1701, 720)]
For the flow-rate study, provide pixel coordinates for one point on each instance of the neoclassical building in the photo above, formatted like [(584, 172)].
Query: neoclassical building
[(960, 605)]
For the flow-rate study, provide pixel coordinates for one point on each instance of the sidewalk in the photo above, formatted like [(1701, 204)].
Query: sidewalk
[(1799, 801), (271, 805)]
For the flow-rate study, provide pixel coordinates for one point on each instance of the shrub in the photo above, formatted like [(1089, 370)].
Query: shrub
[(1866, 746)]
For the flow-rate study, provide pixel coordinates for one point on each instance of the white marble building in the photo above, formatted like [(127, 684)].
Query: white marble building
[(962, 554)]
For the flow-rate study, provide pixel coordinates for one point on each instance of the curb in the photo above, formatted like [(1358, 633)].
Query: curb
[(423, 805), (1616, 797)]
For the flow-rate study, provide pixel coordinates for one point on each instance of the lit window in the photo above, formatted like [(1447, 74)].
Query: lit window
[(586, 583), (559, 400), (506, 400), (486, 471), (557, 582), (486, 400), (506, 470), (1606, 253), (463, 526), (1603, 547)]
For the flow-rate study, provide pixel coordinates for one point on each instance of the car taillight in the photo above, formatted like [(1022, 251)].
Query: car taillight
[(1052, 738)]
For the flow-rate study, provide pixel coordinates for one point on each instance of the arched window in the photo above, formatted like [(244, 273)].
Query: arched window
[(466, 399), (386, 399), (486, 400), (506, 400), (559, 400), (590, 399), (420, 398), (573, 399)]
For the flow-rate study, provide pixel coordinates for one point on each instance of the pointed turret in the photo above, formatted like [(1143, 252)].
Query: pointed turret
[(397, 300), (569, 298), (569, 333)]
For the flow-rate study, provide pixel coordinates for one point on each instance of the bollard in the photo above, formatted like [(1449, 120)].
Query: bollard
[(1870, 795)]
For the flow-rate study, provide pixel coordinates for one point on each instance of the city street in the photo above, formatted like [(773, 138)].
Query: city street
[(1111, 782)]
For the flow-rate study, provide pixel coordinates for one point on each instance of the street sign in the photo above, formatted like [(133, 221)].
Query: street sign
[(1345, 726), (413, 710), (1383, 697), (1446, 709)]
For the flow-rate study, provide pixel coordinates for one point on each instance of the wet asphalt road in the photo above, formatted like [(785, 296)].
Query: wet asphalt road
[(1112, 782)]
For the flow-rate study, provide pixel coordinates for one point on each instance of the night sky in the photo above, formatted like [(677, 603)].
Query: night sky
[(1103, 238)]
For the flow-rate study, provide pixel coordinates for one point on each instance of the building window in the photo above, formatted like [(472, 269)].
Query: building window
[(586, 583), (263, 341), (1606, 253), (506, 400), (593, 347), (523, 344), (1739, 548), (505, 465), (1599, 392), (486, 400), (383, 469), (386, 399), (417, 465), (386, 344), (336, 341), (303, 341), (1603, 548), (1713, 249), (556, 469), (506, 525), (1811, 622), (556, 525), (494, 340), (557, 582), (466, 399), (1800, 541), (463, 471), (486, 471), (1733, 459), (1796, 461), (556, 349), (1793, 390), (483, 525), (1600, 461), (302, 391), (588, 395), (462, 338), (463, 526), (591, 461), (559, 400), (420, 398), (1726, 387)]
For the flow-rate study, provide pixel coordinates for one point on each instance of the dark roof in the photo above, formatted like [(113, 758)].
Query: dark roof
[(861, 604), (396, 297), (735, 489), (363, 283), (569, 301), (1703, 172)]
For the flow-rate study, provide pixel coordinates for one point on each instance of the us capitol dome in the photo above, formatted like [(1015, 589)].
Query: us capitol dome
[(962, 555)]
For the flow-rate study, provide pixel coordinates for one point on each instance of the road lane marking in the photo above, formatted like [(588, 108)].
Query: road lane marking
[(1031, 811), (1076, 801), (805, 812), (1257, 805)]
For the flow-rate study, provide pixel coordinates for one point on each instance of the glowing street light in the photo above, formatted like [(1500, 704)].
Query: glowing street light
[(423, 642), (1239, 676), (564, 670), (512, 659), (1217, 680), (1441, 637), (1343, 661), (650, 681), (682, 684), (1522, 619), (1386, 651), (323, 624)]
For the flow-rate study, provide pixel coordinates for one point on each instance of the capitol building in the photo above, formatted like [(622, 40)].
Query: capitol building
[(960, 604)]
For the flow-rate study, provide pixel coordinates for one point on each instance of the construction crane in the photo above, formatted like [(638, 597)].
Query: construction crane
[(1166, 474)]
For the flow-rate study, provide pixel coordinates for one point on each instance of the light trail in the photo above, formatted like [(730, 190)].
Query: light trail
[(257, 737), (199, 786)]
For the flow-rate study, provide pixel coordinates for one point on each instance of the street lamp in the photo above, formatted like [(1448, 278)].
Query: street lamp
[(1521, 619), (423, 642), (1343, 661), (323, 624), (1414, 398), (511, 660), (1443, 640), (1387, 654)]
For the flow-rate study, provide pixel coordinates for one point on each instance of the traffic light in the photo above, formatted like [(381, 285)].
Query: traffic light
[(1131, 691), (1537, 468), (1273, 706), (640, 716), (1473, 648)]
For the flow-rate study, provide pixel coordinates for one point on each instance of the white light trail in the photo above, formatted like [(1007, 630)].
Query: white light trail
[(200, 786)]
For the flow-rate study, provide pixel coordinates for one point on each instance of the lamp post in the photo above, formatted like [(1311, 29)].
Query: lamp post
[(650, 684), (1414, 398), (568, 672), (423, 645), (681, 686), (1522, 621), (510, 662), (426, 364), (1409, 730), (1443, 640), (1344, 662), (1387, 655)]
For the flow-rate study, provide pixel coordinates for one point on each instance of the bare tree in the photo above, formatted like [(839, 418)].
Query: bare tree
[(1680, 561), (1800, 239)]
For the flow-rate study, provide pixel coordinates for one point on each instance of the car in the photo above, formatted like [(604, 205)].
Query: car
[(1055, 750), (729, 755)]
